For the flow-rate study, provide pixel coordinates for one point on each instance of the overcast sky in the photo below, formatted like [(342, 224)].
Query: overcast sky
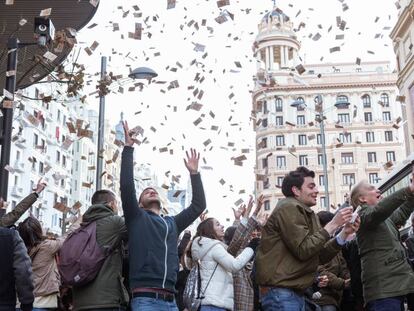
[(170, 36)]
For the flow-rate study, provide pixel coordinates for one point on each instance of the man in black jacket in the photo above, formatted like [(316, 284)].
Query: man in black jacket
[(15, 272), (153, 238)]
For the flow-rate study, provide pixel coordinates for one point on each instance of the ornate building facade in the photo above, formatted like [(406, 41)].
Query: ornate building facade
[(297, 107)]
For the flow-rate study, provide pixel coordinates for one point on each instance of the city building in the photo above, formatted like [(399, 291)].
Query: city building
[(56, 140), (403, 36), (359, 119)]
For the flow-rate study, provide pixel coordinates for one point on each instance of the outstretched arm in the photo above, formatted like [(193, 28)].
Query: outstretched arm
[(198, 202), (10, 218), (128, 194)]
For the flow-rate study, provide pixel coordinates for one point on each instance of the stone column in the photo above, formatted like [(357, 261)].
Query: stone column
[(267, 58), (282, 57), (271, 57)]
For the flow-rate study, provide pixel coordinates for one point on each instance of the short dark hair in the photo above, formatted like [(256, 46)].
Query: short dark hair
[(229, 233), (295, 179), (103, 197), (325, 217)]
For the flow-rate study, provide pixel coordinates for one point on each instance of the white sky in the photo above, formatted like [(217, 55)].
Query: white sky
[(229, 42)]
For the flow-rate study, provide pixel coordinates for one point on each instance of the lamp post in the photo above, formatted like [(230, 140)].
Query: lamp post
[(138, 73), (321, 119)]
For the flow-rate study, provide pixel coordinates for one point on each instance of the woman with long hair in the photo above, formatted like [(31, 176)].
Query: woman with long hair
[(42, 252), (216, 265)]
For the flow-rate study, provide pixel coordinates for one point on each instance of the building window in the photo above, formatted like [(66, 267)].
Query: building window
[(370, 137), (373, 178), (348, 179), (301, 104), (264, 163), (279, 120), (368, 116), (347, 157), (321, 180), (262, 144), (300, 120), (303, 160), (302, 140), (267, 205), (58, 115), (41, 168), (342, 102), (323, 202), (64, 161), (372, 157), (265, 107), (280, 180), (319, 138), (54, 220), (385, 100), (279, 104), (390, 156), (345, 137), (388, 135), (386, 116), (35, 140), (320, 159), (57, 156), (343, 118), (264, 122), (280, 140), (366, 101), (280, 161)]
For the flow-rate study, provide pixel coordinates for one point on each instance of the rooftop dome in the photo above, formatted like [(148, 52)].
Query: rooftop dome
[(276, 13)]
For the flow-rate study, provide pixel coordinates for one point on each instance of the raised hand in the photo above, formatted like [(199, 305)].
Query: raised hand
[(41, 185), (128, 139), (249, 207), (259, 205), (192, 161), (203, 216), (239, 212)]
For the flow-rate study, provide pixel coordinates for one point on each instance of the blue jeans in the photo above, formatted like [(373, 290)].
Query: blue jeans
[(282, 299), (152, 304), (328, 308), (211, 308), (387, 304)]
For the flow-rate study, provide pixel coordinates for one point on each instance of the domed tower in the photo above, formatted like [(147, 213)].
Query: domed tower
[(276, 45)]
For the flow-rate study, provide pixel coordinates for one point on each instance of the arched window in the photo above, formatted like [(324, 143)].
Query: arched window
[(342, 99), (366, 101), (342, 102), (385, 99), (278, 104)]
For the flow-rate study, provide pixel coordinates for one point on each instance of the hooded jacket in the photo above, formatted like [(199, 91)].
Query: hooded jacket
[(212, 253), (153, 239), (107, 289)]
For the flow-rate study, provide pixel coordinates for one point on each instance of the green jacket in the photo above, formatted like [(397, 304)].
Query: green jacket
[(337, 272), (10, 218), (293, 244), (385, 270), (107, 290)]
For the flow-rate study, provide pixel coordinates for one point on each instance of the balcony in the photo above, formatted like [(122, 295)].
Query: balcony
[(17, 191), (21, 142), (19, 166)]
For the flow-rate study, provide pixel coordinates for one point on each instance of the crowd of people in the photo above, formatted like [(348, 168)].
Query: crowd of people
[(292, 260)]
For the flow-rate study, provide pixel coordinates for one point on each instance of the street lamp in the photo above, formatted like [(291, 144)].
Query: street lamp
[(321, 118), (138, 73)]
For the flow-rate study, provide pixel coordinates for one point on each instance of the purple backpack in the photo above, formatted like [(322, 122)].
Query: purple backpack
[(80, 257)]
